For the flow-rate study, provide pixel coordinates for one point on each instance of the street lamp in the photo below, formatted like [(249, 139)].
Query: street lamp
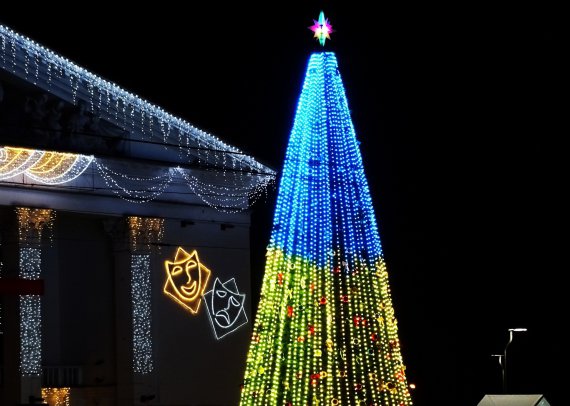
[(503, 357), (500, 359)]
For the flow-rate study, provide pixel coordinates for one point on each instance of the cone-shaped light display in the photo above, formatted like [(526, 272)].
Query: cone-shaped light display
[(325, 331)]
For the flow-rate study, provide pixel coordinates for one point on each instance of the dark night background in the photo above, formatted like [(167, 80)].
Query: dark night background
[(457, 110)]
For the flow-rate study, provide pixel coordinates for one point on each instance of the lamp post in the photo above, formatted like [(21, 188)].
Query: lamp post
[(500, 357), (503, 357)]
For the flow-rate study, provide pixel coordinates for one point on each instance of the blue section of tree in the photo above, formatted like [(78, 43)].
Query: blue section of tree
[(324, 208)]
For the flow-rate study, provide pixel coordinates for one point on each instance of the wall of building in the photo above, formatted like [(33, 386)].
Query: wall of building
[(188, 354), (87, 310), (79, 305)]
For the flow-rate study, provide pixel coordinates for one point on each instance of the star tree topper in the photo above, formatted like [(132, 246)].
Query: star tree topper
[(322, 29)]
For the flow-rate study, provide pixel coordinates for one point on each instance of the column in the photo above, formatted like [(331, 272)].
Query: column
[(34, 227), (145, 235)]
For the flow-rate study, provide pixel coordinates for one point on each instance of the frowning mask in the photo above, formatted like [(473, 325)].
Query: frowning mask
[(186, 279), (225, 307)]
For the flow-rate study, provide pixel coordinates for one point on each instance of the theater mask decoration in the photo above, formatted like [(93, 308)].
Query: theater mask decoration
[(225, 307), (186, 279)]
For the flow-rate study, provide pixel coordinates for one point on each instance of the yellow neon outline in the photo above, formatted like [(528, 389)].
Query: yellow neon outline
[(191, 296)]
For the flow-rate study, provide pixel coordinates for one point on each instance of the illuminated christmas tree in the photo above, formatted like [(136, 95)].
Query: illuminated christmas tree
[(325, 331)]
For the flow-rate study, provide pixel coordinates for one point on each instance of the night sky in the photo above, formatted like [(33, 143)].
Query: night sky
[(457, 110)]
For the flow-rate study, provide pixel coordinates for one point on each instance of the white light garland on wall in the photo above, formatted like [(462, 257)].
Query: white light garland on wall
[(228, 199), (32, 224), (30, 315), (145, 233), (134, 189), (141, 302), (228, 192)]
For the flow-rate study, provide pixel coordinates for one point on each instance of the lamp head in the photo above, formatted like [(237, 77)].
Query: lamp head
[(520, 329)]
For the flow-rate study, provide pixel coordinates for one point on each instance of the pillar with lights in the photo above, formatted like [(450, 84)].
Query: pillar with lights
[(325, 331)]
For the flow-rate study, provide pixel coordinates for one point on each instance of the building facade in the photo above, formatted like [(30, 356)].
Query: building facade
[(124, 243)]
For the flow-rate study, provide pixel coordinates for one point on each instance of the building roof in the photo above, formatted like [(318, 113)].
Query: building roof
[(189, 154), (513, 400)]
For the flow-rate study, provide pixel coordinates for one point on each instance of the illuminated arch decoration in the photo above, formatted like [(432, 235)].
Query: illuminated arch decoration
[(225, 307), (186, 279), (15, 161), (46, 167), (56, 167)]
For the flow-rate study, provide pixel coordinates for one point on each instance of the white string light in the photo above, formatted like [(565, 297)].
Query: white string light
[(31, 226), (227, 198), (145, 233), (30, 316), (145, 122), (141, 303), (120, 107), (53, 168), (122, 185)]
